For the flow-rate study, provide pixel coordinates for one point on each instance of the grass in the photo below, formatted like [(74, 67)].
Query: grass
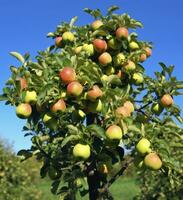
[(123, 189)]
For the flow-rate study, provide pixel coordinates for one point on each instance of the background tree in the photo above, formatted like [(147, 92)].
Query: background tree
[(87, 97)]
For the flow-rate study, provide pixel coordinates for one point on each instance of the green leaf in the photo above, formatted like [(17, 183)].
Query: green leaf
[(24, 154), (96, 130), (73, 20), (70, 138), (18, 56), (112, 9)]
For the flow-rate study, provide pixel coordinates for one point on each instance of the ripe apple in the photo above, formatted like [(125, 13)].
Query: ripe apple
[(122, 112), (166, 100), (153, 161), (94, 93), (67, 75), (96, 24), (130, 66), (105, 59), (142, 57), (143, 146), (114, 44), (23, 110), (133, 45), (23, 83), (68, 36), (114, 132), (78, 49), (81, 151), (58, 106), (74, 88), (157, 108), (129, 105), (148, 51), (88, 48), (31, 97), (100, 45), (96, 106), (121, 32), (58, 41), (137, 78), (119, 59)]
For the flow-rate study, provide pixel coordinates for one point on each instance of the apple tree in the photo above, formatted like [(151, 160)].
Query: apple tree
[(87, 98)]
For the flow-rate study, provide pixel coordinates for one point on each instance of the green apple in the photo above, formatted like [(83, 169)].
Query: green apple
[(157, 108), (137, 78), (78, 49), (97, 24), (23, 110), (31, 97), (133, 45), (114, 44), (119, 59), (49, 121), (88, 48), (166, 100), (47, 117), (68, 36), (153, 161), (143, 146), (81, 151), (53, 173), (114, 132), (130, 66), (96, 106)]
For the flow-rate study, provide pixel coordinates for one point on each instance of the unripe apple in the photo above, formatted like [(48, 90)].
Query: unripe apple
[(74, 88), (114, 132), (166, 100), (119, 59), (133, 45), (129, 105), (58, 41), (130, 66), (122, 32), (23, 110), (88, 48), (105, 59), (96, 24), (53, 173), (142, 57), (68, 36), (148, 51), (100, 45), (122, 112), (78, 49), (114, 44), (157, 108), (81, 151), (95, 107), (137, 78), (47, 117), (58, 106), (23, 83), (67, 75), (153, 161), (31, 97), (104, 77), (143, 146), (94, 93)]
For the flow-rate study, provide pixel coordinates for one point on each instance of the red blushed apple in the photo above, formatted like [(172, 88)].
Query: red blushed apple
[(58, 41), (122, 32), (148, 51), (142, 57), (74, 88), (67, 75), (166, 100), (23, 110), (23, 83), (100, 45), (94, 93), (105, 59), (58, 106), (96, 24), (114, 132), (122, 112)]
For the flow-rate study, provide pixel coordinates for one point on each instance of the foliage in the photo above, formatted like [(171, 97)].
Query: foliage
[(120, 77), (16, 178)]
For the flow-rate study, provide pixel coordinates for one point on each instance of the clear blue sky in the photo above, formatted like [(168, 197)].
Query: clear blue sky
[(24, 25)]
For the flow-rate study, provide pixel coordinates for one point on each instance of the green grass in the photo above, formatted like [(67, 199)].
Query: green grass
[(122, 189)]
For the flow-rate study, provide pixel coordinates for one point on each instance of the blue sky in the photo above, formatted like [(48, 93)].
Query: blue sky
[(24, 25)]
